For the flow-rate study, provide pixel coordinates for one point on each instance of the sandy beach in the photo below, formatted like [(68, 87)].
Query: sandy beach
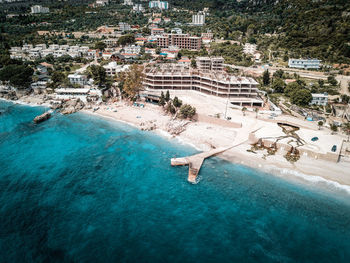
[(205, 136)]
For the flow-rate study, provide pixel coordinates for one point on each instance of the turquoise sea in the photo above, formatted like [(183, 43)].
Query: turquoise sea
[(82, 189)]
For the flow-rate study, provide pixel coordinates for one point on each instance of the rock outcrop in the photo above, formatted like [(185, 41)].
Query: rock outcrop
[(175, 127), (42, 117), (69, 106)]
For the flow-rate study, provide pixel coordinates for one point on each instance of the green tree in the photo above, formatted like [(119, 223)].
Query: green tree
[(301, 97), (334, 128), (266, 77), (132, 81), (291, 88), (167, 96), (193, 63), (161, 100), (331, 80), (19, 76), (57, 78), (187, 111), (244, 109), (320, 124), (126, 39), (177, 103), (98, 73), (100, 45), (278, 85), (278, 74)]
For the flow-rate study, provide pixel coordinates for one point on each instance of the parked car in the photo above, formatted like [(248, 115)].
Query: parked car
[(334, 148)]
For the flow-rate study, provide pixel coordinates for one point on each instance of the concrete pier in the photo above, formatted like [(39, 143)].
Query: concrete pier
[(195, 162)]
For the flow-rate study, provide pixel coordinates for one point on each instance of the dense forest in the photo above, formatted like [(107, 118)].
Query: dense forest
[(308, 28)]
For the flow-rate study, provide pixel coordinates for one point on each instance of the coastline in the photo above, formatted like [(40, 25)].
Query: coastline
[(306, 170)]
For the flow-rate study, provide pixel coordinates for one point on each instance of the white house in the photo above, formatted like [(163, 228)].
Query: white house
[(304, 63), (249, 48), (77, 79), (319, 99), (159, 4), (113, 68), (38, 9), (198, 19)]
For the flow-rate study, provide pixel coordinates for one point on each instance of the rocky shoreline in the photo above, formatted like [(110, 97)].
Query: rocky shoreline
[(63, 106)]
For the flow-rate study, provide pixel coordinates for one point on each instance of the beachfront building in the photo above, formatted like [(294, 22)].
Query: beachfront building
[(83, 94), (304, 63), (320, 99), (38, 9), (77, 79), (210, 63), (159, 4), (241, 91), (182, 41), (198, 19)]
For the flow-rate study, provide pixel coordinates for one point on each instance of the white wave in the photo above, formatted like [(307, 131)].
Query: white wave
[(313, 179)]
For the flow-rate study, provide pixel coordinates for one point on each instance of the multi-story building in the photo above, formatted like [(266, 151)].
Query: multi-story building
[(319, 99), (77, 79), (157, 31), (38, 9), (241, 91), (184, 41), (249, 48), (207, 63), (113, 68), (124, 26), (198, 19), (159, 4), (132, 49), (111, 42), (304, 63)]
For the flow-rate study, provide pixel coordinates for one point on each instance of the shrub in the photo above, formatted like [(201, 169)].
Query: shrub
[(187, 111)]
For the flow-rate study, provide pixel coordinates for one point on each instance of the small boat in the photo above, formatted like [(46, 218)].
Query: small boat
[(96, 108)]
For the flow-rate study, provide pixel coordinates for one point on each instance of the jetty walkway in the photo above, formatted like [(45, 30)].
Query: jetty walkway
[(195, 162)]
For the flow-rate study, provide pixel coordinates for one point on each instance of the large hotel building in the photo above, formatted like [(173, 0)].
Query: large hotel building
[(183, 41), (241, 91)]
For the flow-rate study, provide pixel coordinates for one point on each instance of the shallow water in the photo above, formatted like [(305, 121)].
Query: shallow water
[(81, 189)]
